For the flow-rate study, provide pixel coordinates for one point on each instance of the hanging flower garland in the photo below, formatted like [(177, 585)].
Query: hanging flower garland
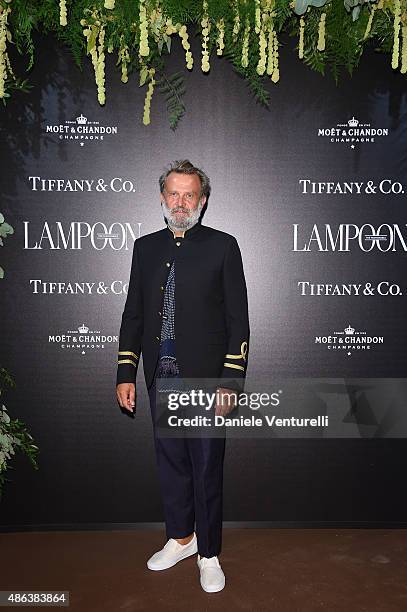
[(221, 36), (206, 26), (263, 25), (94, 32), (245, 45), (149, 95), (270, 48), (301, 42), (236, 20), (246, 32), (369, 22), (275, 75), (5, 36), (396, 40), (62, 13), (403, 68), (123, 59), (144, 49), (183, 34), (321, 33)]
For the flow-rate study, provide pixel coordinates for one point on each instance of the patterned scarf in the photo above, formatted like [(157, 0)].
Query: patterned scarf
[(167, 366)]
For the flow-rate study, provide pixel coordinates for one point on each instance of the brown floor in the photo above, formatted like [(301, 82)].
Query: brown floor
[(282, 570)]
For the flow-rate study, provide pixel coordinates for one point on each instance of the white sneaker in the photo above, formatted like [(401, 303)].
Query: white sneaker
[(212, 576), (172, 553)]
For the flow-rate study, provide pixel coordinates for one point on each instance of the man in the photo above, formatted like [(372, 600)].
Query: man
[(186, 311)]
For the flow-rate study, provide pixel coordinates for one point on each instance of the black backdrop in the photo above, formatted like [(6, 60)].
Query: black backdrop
[(97, 465)]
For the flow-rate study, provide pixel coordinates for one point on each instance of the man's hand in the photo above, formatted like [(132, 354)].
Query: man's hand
[(227, 401), (126, 396)]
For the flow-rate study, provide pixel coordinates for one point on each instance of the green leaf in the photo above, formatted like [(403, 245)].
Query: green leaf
[(302, 5), (5, 229), (143, 75), (92, 39)]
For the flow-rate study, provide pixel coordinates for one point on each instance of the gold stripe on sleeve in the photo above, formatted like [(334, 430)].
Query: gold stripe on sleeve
[(243, 352), (133, 363), (233, 365), (128, 353)]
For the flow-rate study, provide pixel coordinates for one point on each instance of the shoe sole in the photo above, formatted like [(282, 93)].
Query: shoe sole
[(157, 569)]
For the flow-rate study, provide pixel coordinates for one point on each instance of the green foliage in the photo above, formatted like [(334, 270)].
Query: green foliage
[(254, 81), (344, 37), (301, 6), (17, 84), (382, 31), (346, 22), (354, 6), (5, 230), (13, 435), (172, 88)]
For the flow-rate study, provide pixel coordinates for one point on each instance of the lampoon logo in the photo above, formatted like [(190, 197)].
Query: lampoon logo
[(81, 130), (353, 132), (348, 236), (82, 339), (76, 234), (349, 340)]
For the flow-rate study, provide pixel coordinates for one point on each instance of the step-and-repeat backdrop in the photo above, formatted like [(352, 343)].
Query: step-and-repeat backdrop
[(314, 190)]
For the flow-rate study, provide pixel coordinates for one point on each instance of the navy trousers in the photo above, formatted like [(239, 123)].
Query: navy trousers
[(191, 481)]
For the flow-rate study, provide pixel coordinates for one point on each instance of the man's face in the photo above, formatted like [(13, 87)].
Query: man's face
[(180, 200)]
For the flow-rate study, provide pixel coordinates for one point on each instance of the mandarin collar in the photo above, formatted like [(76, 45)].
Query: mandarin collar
[(187, 233)]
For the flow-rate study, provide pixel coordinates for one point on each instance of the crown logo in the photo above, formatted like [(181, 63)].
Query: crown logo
[(83, 329), (353, 122), (349, 331), (81, 119)]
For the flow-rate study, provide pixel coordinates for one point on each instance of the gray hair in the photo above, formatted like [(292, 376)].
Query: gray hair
[(184, 166)]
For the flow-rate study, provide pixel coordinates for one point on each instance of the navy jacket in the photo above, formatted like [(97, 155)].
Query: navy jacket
[(211, 311)]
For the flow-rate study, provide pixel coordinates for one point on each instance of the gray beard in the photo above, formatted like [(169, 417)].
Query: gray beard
[(185, 224)]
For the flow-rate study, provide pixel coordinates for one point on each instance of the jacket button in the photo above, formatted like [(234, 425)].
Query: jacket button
[(157, 338), (162, 288), (168, 264), (178, 243), (159, 313)]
